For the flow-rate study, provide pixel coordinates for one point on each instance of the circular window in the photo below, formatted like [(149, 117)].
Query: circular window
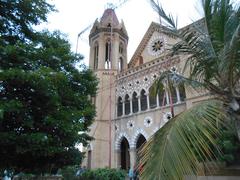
[(130, 124), (148, 121), (156, 46), (167, 116)]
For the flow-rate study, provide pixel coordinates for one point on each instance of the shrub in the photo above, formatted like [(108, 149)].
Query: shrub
[(103, 174)]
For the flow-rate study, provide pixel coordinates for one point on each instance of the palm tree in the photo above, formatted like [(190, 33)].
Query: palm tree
[(213, 50)]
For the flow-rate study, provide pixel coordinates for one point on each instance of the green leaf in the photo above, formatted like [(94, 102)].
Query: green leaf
[(187, 139)]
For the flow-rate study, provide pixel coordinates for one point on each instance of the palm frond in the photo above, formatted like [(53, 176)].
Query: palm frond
[(212, 45), (175, 79), (176, 149), (168, 19)]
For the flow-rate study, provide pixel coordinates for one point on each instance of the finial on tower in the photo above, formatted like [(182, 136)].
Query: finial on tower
[(110, 6)]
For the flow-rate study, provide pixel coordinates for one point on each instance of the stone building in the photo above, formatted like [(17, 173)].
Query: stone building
[(127, 114)]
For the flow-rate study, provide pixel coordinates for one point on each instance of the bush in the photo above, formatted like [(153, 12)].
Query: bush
[(103, 174), (69, 172)]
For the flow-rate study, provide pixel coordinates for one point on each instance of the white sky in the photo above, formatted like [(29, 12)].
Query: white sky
[(75, 15)]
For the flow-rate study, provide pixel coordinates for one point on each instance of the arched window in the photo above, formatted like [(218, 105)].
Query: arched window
[(120, 64), (125, 156), (141, 140), (152, 97), (121, 48), (135, 102), (182, 92), (96, 49), (143, 99), (161, 95), (127, 105), (89, 159), (108, 55), (119, 107)]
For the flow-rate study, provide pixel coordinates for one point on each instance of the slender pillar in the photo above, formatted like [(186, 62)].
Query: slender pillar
[(148, 103), (178, 95), (116, 109), (123, 108), (132, 152), (131, 106), (167, 96), (157, 99), (139, 103), (118, 158)]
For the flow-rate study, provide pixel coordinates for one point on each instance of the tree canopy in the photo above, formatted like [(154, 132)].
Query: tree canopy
[(45, 100), (19, 16)]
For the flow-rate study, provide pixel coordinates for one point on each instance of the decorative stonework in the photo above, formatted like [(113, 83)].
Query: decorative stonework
[(132, 141), (142, 77), (136, 135), (130, 124), (148, 121), (119, 139), (154, 27), (136, 85), (156, 45), (167, 116)]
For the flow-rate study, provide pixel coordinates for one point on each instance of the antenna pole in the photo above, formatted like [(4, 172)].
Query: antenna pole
[(110, 95)]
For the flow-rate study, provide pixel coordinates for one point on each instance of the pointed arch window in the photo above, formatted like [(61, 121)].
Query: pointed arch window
[(108, 55), (182, 92), (125, 155), (143, 100), (152, 97), (119, 107), (121, 48), (127, 105), (135, 102), (96, 49)]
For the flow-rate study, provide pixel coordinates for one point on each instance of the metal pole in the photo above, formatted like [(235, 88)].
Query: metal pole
[(110, 95)]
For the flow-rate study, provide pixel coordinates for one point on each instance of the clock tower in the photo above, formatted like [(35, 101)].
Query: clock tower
[(108, 41)]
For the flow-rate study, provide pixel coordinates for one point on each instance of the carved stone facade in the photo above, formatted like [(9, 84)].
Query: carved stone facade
[(127, 113)]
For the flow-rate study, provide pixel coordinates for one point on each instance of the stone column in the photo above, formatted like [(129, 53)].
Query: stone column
[(131, 106), (157, 100), (178, 95), (133, 153), (118, 158), (116, 109), (148, 101), (123, 108), (167, 97), (139, 103)]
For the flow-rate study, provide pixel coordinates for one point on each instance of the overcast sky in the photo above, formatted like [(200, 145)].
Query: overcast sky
[(75, 15)]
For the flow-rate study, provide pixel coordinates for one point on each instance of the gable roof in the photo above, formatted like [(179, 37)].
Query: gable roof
[(159, 28), (152, 28)]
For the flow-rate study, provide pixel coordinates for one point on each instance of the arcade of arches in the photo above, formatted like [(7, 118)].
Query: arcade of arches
[(134, 103), (127, 157)]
